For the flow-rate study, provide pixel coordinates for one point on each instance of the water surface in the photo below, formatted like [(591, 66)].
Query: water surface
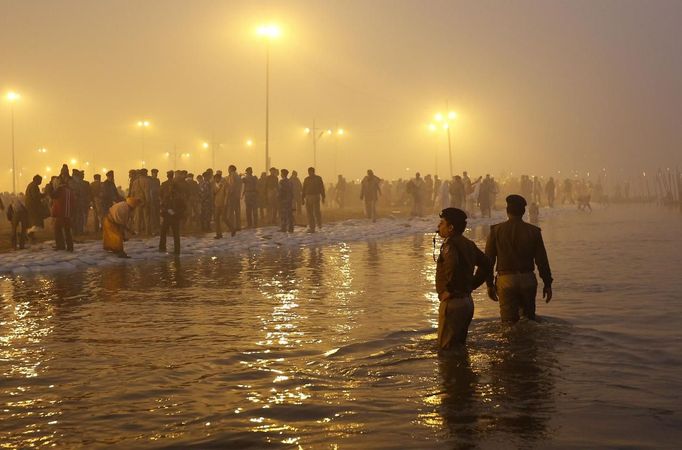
[(334, 345)]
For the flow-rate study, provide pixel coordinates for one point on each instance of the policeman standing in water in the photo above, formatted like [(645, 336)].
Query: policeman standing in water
[(517, 247), (456, 279)]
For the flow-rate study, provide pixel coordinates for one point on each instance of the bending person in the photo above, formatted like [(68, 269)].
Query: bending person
[(115, 225)]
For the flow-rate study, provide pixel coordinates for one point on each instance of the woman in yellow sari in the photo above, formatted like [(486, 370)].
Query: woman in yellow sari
[(115, 225)]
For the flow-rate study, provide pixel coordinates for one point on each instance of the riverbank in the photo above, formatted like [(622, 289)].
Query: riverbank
[(340, 227)]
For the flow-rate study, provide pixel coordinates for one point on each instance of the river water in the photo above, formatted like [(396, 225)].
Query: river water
[(333, 346)]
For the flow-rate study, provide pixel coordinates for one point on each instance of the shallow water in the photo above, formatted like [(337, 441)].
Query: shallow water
[(334, 345)]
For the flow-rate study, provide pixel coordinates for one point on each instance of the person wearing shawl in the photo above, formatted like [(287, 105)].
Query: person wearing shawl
[(115, 225)]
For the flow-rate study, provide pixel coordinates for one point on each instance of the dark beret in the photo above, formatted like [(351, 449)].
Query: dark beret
[(453, 215), (516, 200)]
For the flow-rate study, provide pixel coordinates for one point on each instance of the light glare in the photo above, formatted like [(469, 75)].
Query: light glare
[(12, 96), (270, 31)]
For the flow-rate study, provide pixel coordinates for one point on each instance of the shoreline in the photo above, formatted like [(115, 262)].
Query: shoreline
[(41, 258)]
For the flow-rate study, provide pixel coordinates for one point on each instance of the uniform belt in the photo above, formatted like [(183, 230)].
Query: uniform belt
[(513, 272)]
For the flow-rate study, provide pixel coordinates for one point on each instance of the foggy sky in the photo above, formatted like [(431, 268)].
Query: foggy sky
[(538, 86)]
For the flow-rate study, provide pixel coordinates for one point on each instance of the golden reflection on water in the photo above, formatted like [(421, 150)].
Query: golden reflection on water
[(24, 357)]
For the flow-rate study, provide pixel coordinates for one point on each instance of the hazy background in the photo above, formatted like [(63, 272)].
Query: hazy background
[(539, 86)]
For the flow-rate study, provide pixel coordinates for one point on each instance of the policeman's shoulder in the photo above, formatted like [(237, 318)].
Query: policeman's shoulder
[(533, 227)]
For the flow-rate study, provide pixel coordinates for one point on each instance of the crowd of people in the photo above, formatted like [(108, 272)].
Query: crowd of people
[(213, 201)]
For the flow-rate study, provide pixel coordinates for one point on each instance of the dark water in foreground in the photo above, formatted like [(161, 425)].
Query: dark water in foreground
[(334, 345)]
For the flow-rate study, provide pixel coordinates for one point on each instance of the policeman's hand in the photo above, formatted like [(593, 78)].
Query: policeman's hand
[(443, 295), (547, 293), (492, 293)]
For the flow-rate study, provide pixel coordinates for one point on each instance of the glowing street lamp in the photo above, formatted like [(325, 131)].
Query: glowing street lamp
[(268, 32), (444, 121), (12, 97), (249, 143), (316, 133)]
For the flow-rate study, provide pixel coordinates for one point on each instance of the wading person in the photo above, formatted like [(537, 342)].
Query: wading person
[(173, 208), (35, 206), (313, 192), (115, 226), (370, 190), (234, 196), (250, 195), (63, 210), (456, 278), (286, 203), (517, 247)]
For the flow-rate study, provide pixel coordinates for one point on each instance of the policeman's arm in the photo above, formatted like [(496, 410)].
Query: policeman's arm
[(483, 269), (491, 253), (542, 262)]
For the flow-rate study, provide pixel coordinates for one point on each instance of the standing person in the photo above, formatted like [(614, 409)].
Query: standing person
[(437, 182), (271, 187), (537, 190), (517, 247), (250, 195), (206, 200), (234, 198), (84, 199), (35, 205), (173, 206), (115, 226), (193, 212), (416, 188), (468, 202), (484, 196), (312, 193), (96, 199), (155, 200), (77, 225), (494, 190), (220, 205), (457, 192), (427, 194), (110, 194), (444, 194), (526, 187), (568, 192), (145, 209), (135, 190), (370, 190), (550, 191), (262, 196), (18, 215), (286, 203), (63, 201), (341, 191), (297, 189), (456, 279)]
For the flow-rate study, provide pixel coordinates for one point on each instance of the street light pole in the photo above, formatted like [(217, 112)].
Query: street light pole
[(450, 151), (14, 171), (268, 32), (445, 120), (314, 146), (267, 107)]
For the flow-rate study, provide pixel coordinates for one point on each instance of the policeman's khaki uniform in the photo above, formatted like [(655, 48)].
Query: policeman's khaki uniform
[(517, 247), (455, 275)]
